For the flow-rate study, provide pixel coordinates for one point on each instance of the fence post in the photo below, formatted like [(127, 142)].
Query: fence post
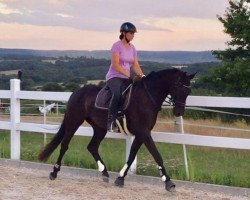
[(129, 142), (179, 128), (14, 119), (44, 122)]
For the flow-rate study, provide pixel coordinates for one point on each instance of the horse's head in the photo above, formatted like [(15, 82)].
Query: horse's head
[(172, 82), (180, 91)]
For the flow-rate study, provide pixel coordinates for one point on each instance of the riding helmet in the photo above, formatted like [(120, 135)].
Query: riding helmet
[(128, 27)]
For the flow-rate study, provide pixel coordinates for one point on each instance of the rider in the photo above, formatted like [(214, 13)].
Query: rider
[(124, 56)]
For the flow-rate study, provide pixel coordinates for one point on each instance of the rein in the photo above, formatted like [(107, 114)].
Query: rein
[(171, 101), (149, 94)]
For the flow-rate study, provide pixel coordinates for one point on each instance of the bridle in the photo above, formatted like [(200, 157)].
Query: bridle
[(171, 100)]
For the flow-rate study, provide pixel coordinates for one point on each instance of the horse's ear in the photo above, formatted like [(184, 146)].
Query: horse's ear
[(191, 76)]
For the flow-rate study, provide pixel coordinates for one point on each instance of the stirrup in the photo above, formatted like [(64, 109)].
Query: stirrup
[(112, 127)]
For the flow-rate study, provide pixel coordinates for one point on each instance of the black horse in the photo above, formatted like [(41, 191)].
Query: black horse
[(146, 101)]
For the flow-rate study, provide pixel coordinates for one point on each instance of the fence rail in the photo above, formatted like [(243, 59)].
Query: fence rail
[(15, 126)]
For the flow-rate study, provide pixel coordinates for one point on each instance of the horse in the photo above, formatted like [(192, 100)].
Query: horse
[(146, 100)]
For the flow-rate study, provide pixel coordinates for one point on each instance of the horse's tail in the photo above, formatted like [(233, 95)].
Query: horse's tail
[(49, 148)]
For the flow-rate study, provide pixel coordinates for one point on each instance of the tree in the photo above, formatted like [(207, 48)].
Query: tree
[(52, 87), (236, 22), (71, 87), (232, 77)]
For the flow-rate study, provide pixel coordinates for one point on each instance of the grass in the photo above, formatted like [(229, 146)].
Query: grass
[(209, 165), (9, 72), (219, 166)]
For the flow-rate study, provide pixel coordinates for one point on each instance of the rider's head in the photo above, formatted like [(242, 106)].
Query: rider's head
[(127, 28)]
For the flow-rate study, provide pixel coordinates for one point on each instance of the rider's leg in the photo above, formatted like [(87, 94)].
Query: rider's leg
[(115, 85)]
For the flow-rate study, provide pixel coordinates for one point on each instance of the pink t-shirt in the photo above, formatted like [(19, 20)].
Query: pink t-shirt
[(126, 56)]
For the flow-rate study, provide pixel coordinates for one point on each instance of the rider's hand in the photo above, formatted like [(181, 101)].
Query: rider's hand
[(137, 78)]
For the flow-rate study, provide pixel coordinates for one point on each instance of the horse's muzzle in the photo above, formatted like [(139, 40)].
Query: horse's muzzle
[(178, 111)]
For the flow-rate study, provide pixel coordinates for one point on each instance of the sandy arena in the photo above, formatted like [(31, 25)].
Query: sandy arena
[(22, 183)]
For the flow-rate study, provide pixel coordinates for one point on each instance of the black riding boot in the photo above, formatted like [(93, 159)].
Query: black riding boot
[(112, 113)]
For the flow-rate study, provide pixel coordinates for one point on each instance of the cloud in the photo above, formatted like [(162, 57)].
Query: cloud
[(4, 9), (94, 24), (64, 15), (105, 15), (53, 38), (181, 24)]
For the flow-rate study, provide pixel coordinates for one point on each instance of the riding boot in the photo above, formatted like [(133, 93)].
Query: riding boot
[(112, 113)]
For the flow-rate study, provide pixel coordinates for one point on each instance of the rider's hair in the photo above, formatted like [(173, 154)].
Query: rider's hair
[(121, 36)]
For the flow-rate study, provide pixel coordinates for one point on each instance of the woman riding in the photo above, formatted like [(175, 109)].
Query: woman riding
[(124, 56)]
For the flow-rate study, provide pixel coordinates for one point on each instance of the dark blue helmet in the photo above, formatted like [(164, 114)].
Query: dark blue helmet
[(128, 27)]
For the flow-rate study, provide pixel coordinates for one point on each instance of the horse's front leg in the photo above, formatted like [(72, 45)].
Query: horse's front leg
[(133, 151), (149, 143)]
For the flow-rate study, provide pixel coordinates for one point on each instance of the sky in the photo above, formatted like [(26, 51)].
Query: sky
[(163, 25)]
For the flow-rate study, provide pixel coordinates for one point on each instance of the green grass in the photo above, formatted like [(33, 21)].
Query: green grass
[(9, 72), (209, 165), (220, 166)]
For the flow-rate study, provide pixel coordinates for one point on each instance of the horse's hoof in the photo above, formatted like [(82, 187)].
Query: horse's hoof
[(52, 176), (119, 182), (105, 176), (170, 186)]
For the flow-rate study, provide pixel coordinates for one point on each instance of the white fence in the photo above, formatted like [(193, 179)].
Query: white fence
[(15, 126)]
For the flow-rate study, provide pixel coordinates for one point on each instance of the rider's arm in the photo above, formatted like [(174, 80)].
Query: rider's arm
[(137, 69)]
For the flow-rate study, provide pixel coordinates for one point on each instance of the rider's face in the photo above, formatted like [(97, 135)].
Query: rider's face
[(130, 35)]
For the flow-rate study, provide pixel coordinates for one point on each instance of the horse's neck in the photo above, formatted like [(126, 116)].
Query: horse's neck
[(159, 91), (161, 94)]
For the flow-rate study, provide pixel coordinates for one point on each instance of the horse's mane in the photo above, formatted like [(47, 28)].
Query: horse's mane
[(163, 73)]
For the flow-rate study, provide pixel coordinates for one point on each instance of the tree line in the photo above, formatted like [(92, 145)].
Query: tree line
[(67, 74)]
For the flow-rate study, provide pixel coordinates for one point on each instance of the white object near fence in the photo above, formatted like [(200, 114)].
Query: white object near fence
[(44, 110), (15, 126), (179, 128)]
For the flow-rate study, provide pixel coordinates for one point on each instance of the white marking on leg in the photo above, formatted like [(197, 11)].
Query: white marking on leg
[(160, 168), (101, 167), (123, 170), (57, 166), (163, 178)]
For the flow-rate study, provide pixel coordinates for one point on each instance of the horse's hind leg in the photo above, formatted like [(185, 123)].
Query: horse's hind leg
[(93, 147), (70, 130), (133, 151)]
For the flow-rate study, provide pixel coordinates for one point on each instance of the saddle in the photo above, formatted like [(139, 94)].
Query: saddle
[(102, 102), (104, 96)]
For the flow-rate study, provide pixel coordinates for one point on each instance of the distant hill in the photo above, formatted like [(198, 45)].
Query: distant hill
[(173, 57)]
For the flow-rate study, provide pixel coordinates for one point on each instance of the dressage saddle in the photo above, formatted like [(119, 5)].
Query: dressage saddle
[(104, 96)]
